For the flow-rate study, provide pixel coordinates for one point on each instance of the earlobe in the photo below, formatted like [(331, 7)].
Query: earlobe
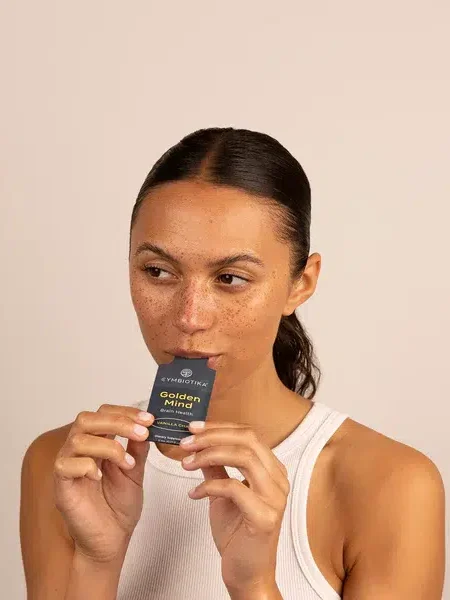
[(304, 287), (297, 297)]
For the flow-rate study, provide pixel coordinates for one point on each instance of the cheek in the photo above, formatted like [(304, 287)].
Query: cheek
[(149, 306), (254, 320)]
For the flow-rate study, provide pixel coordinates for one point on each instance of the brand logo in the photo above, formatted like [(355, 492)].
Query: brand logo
[(185, 381), (186, 373)]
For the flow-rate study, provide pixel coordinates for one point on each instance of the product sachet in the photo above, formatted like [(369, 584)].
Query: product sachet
[(180, 394)]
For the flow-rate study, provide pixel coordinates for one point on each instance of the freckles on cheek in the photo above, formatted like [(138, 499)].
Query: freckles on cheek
[(149, 307), (262, 306), (255, 320), (150, 310)]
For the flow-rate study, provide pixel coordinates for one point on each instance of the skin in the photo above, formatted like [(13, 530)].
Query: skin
[(192, 306), (362, 481), (376, 507)]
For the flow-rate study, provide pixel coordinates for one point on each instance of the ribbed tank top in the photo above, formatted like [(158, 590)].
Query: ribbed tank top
[(172, 556)]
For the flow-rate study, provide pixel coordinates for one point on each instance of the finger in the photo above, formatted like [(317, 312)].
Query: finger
[(217, 471), (136, 414), (254, 510), (248, 463), (239, 426), (109, 422), (139, 451), (211, 471), (139, 416), (246, 437), (67, 468), (216, 425), (84, 444)]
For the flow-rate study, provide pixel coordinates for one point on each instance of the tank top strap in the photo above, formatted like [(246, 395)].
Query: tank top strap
[(326, 423), (320, 420)]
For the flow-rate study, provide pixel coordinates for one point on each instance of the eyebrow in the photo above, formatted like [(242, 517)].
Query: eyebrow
[(220, 262)]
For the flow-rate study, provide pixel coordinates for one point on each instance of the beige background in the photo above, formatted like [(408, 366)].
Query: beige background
[(93, 92)]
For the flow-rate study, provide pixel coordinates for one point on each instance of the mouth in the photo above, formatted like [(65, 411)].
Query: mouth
[(212, 358), (191, 354)]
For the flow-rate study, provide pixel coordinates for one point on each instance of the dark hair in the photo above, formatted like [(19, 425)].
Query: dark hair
[(258, 164)]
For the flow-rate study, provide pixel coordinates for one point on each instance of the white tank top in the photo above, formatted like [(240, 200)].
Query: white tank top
[(172, 555)]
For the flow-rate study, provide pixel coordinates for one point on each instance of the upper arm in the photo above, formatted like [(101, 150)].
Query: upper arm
[(46, 545), (401, 540)]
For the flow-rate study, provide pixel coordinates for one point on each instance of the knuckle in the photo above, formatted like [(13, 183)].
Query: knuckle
[(248, 455), (76, 440), (271, 518), (58, 466), (82, 419), (103, 407)]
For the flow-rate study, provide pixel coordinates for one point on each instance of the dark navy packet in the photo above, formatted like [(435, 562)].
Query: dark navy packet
[(180, 394)]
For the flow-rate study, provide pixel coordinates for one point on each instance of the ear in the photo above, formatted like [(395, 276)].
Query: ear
[(304, 287)]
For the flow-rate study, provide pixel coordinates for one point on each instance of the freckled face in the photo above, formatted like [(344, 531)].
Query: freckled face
[(231, 310)]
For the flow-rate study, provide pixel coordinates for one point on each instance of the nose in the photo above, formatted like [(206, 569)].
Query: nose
[(195, 308)]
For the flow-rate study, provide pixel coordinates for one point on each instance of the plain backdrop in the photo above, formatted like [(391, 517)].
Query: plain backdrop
[(92, 93)]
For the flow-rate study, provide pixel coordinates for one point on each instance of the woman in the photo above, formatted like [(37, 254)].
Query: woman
[(304, 502)]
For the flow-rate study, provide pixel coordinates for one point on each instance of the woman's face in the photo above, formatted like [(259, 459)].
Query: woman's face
[(233, 310)]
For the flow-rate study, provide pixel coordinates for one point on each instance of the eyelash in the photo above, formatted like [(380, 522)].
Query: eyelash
[(147, 269)]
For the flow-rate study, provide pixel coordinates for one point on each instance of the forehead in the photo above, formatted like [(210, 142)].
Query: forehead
[(199, 217)]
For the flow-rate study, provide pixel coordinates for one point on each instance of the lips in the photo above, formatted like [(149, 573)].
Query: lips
[(212, 358), (192, 354)]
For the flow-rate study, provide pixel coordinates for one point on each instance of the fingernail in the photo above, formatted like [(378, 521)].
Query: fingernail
[(189, 458), (145, 416), (140, 429), (198, 424), (130, 460), (187, 440)]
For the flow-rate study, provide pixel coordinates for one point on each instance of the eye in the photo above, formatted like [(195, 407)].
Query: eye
[(151, 269), (232, 276)]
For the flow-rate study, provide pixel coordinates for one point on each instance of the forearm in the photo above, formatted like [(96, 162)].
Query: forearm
[(90, 579)]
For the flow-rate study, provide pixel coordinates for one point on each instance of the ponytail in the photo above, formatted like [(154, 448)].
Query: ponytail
[(294, 357)]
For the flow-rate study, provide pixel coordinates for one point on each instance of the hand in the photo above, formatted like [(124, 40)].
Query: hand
[(102, 509), (245, 516)]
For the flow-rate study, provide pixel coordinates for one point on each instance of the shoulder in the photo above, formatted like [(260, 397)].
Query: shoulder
[(374, 462), (39, 457), (47, 445), (45, 541), (384, 489)]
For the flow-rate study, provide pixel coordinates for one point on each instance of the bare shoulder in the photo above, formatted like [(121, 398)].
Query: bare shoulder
[(37, 467), (367, 456), (37, 463), (382, 486), (46, 544), (48, 443)]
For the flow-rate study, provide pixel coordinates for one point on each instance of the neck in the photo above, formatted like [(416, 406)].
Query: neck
[(260, 401)]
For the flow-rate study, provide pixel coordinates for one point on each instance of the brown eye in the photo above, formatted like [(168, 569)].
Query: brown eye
[(231, 276), (227, 278), (151, 271)]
